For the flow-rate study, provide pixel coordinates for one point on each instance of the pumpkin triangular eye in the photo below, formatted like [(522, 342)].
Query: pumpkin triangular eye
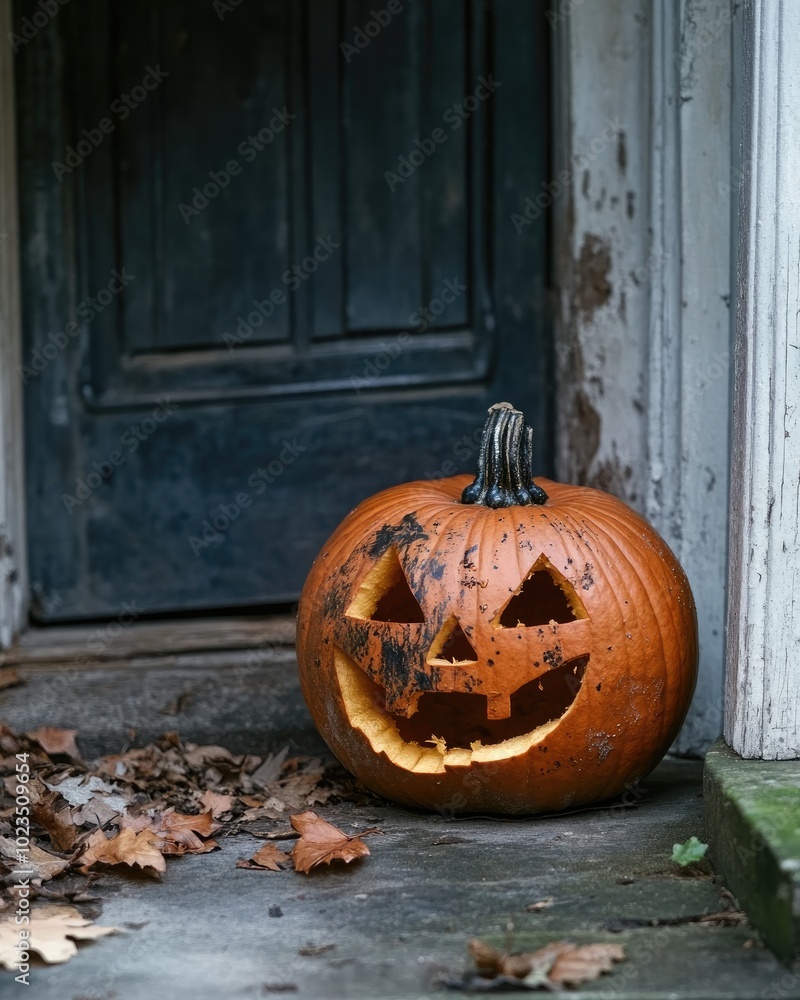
[(452, 645), (544, 596), (385, 595)]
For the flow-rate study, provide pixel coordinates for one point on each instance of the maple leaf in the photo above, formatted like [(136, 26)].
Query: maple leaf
[(578, 965), (218, 804), (270, 856), (269, 770), (93, 800), (321, 842), (559, 963), (199, 757), (53, 931), (301, 790), (271, 808), (41, 864), (251, 800), (181, 830), (54, 740), (130, 848), (135, 823)]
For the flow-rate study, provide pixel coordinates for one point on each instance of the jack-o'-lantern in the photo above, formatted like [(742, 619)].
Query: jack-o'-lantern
[(504, 646)]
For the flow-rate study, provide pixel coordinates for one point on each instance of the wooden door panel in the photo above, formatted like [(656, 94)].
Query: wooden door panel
[(422, 306)]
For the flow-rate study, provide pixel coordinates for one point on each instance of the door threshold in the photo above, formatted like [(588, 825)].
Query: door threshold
[(53, 644)]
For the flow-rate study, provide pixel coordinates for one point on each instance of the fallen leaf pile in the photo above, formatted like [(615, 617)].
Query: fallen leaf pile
[(556, 965), (133, 809)]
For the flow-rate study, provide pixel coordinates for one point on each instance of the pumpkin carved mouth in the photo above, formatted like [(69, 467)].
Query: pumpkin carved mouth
[(453, 728)]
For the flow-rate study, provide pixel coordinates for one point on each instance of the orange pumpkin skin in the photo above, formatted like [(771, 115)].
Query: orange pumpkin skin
[(623, 669)]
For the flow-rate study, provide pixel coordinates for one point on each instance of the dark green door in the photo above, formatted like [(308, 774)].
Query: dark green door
[(269, 268)]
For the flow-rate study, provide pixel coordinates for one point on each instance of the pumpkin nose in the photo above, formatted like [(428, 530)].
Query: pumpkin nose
[(451, 645)]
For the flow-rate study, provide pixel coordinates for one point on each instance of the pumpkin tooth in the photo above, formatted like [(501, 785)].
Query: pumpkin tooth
[(404, 704), (498, 706)]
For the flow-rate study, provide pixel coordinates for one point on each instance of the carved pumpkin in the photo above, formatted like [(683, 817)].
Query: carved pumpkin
[(502, 646)]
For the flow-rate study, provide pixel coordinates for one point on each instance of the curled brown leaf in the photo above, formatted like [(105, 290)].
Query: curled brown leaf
[(320, 842)]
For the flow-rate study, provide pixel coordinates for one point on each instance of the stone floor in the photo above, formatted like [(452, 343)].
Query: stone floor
[(390, 924)]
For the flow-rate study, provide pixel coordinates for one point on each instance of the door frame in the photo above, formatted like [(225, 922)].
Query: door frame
[(13, 541), (639, 259)]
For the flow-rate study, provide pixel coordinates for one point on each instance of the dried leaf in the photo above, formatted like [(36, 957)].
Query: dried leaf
[(95, 801), (178, 849), (41, 864), (136, 823), (54, 815), (321, 842), (579, 965), (53, 740), (313, 950), (486, 957), (271, 808), (53, 931), (301, 790), (218, 804), (270, 856), (197, 757), (183, 828), (141, 850), (9, 678), (557, 964), (270, 770), (543, 904)]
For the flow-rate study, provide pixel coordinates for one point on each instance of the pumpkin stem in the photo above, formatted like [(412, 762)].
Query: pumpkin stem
[(505, 460)]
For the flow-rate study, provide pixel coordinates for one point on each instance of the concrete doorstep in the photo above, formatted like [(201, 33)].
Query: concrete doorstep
[(390, 925), (753, 816)]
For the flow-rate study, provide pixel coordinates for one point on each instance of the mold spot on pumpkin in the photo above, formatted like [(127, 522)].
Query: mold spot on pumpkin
[(404, 534)]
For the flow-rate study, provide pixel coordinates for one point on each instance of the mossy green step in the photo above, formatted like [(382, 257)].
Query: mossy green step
[(753, 824)]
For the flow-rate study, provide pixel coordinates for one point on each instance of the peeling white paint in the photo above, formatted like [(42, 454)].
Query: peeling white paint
[(643, 361)]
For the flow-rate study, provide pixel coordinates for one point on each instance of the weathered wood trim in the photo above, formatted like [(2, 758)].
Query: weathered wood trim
[(125, 637), (644, 279), (762, 707), (13, 562), (602, 79), (690, 363)]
